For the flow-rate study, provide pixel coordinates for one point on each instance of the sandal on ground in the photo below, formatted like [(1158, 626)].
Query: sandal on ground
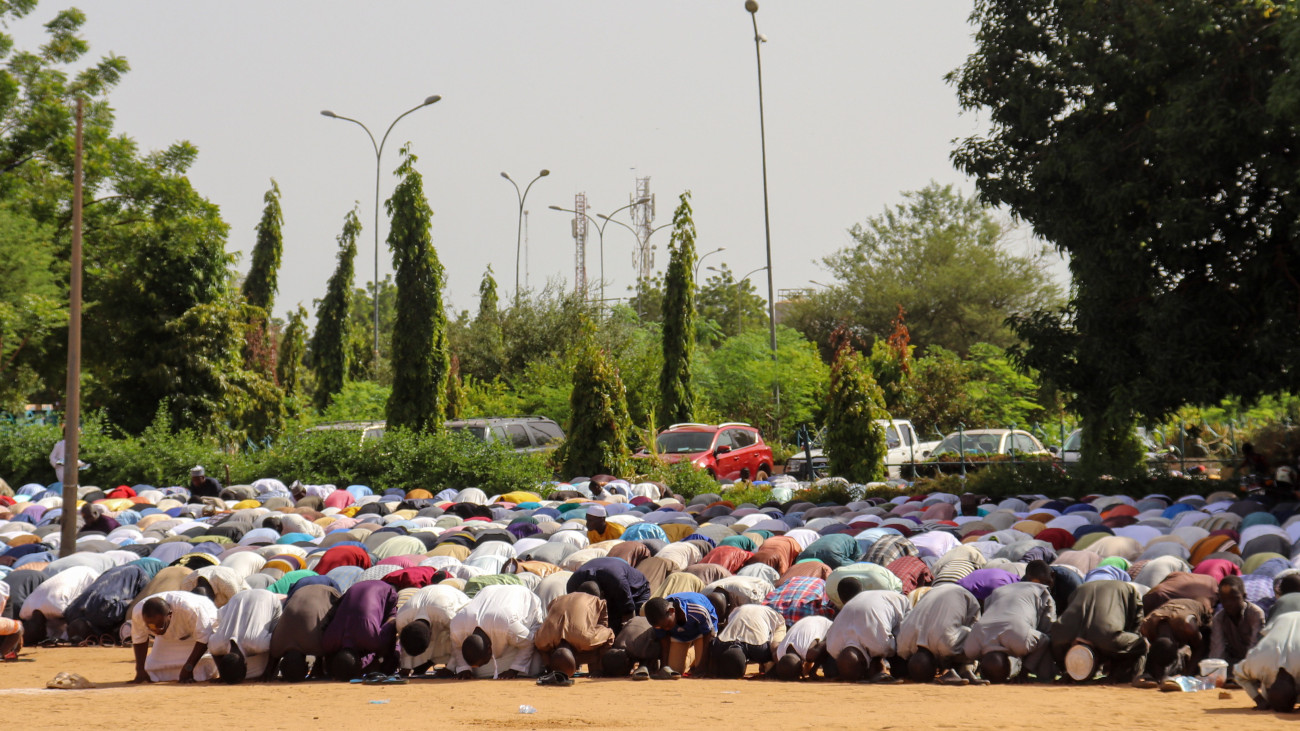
[(1145, 682), (952, 678), (641, 673), (555, 678), (666, 673), (883, 679)]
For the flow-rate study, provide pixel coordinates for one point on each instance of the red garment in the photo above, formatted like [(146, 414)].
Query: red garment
[(912, 571), (1182, 585), (778, 552), (1060, 538), (812, 567), (121, 492), (405, 562), (343, 556), (415, 577), (1218, 568), (730, 558), (339, 499)]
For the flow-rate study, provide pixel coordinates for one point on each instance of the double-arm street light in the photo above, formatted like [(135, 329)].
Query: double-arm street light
[(700, 261), (519, 230), (752, 7), (379, 153), (600, 233)]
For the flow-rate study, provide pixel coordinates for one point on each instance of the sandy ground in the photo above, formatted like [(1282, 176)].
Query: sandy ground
[(589, 704)]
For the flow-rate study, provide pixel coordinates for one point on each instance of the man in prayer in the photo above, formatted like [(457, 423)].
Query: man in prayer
[(95, 519), (862, 637), (241, 643), (424, 627), (496, 628), (623, 588), (43, 610), (751, 635), (933, 634), (1174, 632), (685, 622), (1235, 628), (1010, 639), (636, 650), (11, 630), (803, 650), (202, 486), (360, 635), (599, 529), (299, 633), (1269, 672), (575, 633), (1105, 617), (181, 625)]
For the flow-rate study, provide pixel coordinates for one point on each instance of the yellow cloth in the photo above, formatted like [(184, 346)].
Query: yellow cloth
[(612, 532)]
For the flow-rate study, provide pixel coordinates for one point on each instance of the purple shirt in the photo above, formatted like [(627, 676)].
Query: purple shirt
[(359, 617), (982, 582)]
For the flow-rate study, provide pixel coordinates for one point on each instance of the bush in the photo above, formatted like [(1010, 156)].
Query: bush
[(25, 452), (683, 477), (826, 490), (752, 494)]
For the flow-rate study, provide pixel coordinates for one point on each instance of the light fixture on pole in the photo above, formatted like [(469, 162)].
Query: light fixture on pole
[(519, 233), (600, 234), (379, 153), (738, 281), (640, 244), (700, 261), (752, 7)]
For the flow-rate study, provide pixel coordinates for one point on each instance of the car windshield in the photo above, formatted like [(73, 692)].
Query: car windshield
[(682, 442), (1073, 441), (972, 443)]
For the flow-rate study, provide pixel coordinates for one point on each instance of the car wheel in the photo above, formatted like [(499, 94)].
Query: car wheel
[(764, 472)]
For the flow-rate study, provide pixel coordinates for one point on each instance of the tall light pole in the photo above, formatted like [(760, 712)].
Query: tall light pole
[(752, 7), (600, 233), (738, 281), (519, 232), (72, 407), (700, 261), (379, 154)]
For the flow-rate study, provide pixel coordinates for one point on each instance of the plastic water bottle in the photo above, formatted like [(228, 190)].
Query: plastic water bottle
[(527, 709)]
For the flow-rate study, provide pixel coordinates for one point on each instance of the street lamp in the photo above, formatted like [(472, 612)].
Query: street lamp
[(738, 281), (752, 7), (701, 261), (519, 231), (379, 153), (640, 244), (600, 232)]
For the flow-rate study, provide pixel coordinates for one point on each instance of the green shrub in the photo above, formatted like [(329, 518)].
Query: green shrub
[(755, 495), (831, 490), (25, 452), (683, 477)]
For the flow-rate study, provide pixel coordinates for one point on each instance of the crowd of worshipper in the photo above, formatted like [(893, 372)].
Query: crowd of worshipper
[(607, 578)]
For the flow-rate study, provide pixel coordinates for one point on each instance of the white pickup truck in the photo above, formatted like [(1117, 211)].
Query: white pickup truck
[(904, 447)]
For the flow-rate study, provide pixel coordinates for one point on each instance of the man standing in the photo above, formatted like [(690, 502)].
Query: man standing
[(1010, 638), (497, 627), (181, 625)]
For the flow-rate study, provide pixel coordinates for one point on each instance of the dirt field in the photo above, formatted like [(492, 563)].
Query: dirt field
[(589, 704)]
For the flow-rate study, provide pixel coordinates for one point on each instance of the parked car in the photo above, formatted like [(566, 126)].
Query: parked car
[(980, 446), (1154, 454), (724, 450), (521, 433), (901, 441)]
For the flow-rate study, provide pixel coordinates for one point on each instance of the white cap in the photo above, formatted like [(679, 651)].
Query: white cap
[(196, 471)]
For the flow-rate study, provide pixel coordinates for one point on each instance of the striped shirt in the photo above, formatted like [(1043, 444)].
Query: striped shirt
[(701, 619)]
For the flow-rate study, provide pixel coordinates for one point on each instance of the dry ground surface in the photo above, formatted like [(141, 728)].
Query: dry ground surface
[(25, 703)]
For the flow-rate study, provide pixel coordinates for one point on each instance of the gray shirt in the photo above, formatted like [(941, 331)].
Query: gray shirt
[(1016, 619)]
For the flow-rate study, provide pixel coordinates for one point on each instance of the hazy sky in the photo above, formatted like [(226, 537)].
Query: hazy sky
[(598, 91)]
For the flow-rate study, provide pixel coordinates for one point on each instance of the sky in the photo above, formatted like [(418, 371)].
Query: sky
[(600, 92)]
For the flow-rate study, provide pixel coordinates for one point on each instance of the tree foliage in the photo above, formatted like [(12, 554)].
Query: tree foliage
[(735, 381), (855, 443), (421, 358), (598, 428), (728, 307), (329, 343), (262, 282), (1154, 143), (944, 258), (676, 396), (289, 367)]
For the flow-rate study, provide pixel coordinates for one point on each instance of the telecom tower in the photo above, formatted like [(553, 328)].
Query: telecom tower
[(643, 215), (580, 244)]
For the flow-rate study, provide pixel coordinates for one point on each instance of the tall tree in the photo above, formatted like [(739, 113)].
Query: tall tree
[(262, 282), (944, 258), (329, 343), (855, 443), (676, 397), (488, 302), (420, 353), (732, 306), (598, 428), (293, 343), (1155, 143)]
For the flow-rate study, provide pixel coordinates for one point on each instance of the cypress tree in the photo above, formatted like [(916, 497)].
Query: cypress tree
[(455, 392), (329, 344), (598, 427), (293, 343), (855, 443), (420, 354), (261, 285), (676, 398), (487, 298)]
